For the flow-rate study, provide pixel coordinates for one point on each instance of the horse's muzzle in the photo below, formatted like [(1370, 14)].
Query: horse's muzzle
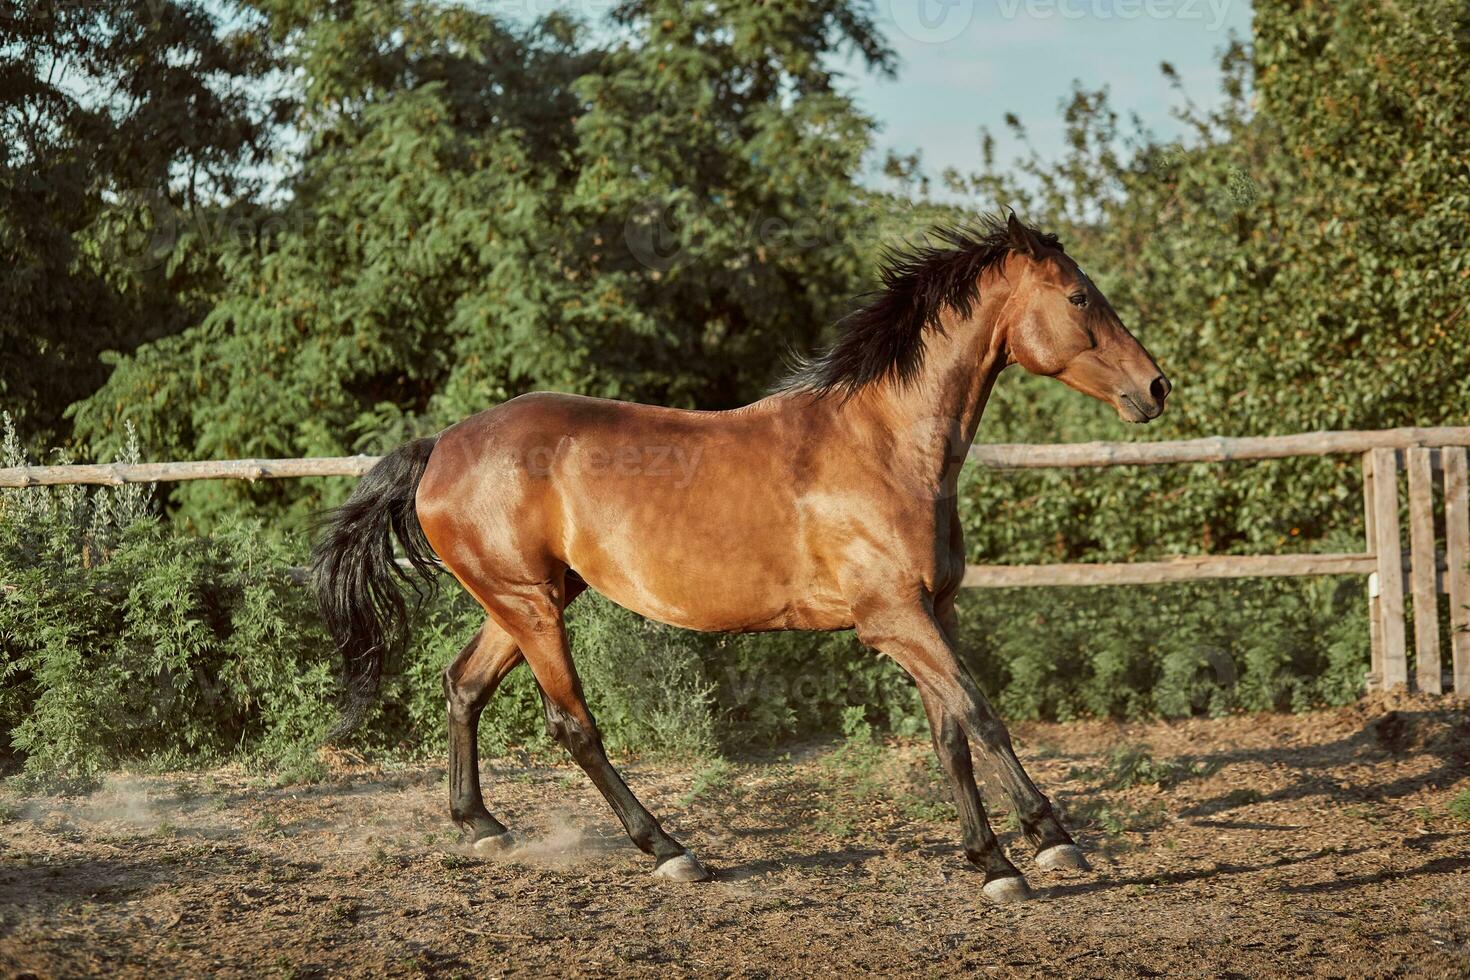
[(1144, 405)]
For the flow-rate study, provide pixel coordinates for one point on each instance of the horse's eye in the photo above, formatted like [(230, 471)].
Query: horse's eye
[(1078, 299)]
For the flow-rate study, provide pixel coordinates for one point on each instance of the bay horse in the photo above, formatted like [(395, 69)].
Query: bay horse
[(828, 505)]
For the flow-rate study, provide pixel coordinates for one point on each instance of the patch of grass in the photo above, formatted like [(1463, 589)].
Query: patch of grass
[(1127, 766), (1119, 818), (857, 761), (851, 773), (267, 823), (916, 807), (9, 811), (833, 822), (342, 911), (712, 778), (1459, 807), (298, 769)]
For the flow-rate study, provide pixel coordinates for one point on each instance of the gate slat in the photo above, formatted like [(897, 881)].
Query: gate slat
[(1388, 547), (1457, 556), (1375, 619), (1422, 573)]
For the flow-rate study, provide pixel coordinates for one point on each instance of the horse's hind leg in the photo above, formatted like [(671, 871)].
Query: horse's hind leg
[(534, 617), (469, 681)]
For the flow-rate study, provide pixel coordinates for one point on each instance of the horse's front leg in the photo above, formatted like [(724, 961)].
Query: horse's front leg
[(1003, 883), (1055, 848), (910, 634)]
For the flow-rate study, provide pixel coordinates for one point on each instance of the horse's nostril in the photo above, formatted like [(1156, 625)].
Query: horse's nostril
[(1159, 388)]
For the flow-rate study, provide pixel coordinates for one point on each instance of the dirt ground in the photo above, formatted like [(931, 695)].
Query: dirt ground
[(1320, 844)]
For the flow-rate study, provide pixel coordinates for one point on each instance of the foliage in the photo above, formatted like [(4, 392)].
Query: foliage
[(1294, 267), (1202, 648), (122, 639), (1291, 267), (1459, 807), (123, 127), (1127, 766), (655, 219)]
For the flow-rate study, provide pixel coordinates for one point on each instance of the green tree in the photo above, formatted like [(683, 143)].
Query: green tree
[(121, 126), (484, 209), (1296, 265)]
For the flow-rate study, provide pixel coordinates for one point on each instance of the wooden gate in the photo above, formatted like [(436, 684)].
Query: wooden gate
[(1433, 565)]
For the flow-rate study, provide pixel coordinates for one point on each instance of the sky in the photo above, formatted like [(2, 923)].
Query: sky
[(966, 63)]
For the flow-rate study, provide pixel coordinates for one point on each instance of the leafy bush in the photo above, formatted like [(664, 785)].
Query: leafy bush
[(1175, 650), (122, 639)]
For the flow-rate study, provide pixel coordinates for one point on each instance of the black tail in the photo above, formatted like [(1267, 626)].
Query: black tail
[(357, 580)]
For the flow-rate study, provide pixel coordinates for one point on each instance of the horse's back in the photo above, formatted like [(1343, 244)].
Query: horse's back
[(660, 509)]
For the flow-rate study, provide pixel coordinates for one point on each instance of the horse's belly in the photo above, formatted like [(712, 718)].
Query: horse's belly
[(723, 606), (744, 581)]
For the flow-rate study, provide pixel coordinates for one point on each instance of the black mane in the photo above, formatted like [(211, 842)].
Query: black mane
[(884, 338)]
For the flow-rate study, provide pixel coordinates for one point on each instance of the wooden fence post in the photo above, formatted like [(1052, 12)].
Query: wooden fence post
[(1457, 556), (1423, 571), (1388, 549), (1375, 621)]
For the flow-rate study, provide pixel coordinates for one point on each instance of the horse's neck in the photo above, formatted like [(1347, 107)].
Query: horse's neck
[(941, 408)]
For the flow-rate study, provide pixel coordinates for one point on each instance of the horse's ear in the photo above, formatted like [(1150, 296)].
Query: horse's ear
[(1023, 239)]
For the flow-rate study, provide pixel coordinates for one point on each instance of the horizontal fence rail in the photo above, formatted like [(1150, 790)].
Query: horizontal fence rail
[(1399, 580), (1187, 568), (1212, 449), (117, 474)]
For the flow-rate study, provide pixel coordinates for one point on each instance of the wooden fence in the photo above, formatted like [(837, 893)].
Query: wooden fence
[(1431, 458)]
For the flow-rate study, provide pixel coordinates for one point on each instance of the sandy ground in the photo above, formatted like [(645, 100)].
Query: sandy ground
[(1320, 844)]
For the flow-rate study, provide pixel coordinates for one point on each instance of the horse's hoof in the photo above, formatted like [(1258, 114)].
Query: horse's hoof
[(1004, 891), (685, 867), (1059, 857), (495, 844)]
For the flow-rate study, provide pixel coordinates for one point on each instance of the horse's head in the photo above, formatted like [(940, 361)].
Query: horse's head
[(1058, 324)]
